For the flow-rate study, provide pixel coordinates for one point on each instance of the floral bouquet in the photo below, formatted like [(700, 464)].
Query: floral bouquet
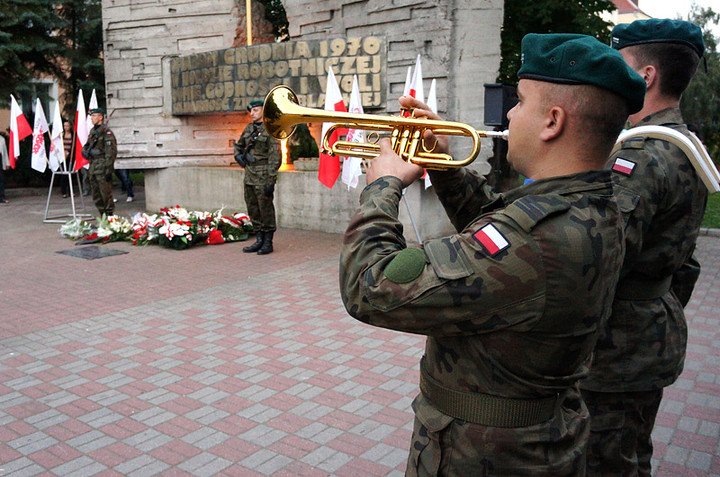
[(76, 229), (113, 228), (173, 227), (231, 228), (145, 229)]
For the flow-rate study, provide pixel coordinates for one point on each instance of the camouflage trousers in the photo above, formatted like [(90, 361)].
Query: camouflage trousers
[(445, 446), (260, 208), (102, 193), (620, 432)]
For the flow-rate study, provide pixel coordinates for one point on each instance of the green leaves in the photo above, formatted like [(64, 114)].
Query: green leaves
[(547, 16)]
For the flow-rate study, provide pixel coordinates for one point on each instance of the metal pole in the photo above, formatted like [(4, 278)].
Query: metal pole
[(412, 217), (248, 21)]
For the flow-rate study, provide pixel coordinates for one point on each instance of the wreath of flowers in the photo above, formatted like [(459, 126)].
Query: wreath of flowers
[(174, 227)]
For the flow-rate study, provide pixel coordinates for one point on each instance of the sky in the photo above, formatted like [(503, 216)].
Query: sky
[(673, 8)]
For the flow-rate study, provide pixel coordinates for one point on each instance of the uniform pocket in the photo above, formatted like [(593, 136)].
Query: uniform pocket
[(426, 450)]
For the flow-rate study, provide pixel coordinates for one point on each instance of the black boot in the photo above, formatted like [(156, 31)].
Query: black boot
[(258, 243), (267, 244)]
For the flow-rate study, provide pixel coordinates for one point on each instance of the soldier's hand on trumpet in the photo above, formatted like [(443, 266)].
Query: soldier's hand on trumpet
[(422, 110), (387, 163)]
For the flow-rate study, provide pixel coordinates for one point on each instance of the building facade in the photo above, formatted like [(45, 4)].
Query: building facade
[(187, 158)]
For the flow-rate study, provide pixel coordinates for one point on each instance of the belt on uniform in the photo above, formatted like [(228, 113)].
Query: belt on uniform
[(485, 409), (639, 289)]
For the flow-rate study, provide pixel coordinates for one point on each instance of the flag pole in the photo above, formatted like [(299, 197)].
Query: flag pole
[(248, 21)]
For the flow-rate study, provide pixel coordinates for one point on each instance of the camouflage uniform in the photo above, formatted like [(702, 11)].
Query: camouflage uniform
[(101, 150), (260, 173), (642, 349), (509, 322)]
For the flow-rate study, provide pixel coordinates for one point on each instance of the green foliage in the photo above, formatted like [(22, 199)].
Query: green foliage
[(28, 45), (83, 40), (700, 103), (547, 16), (275, 14), (712, 212)]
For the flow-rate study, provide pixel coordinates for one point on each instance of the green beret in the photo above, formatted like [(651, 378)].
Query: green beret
[(97, 110), (570, 58), (254, 104), (657, 30)]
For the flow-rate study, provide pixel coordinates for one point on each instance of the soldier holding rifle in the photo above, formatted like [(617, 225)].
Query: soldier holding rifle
[(512, 302), (259, 154), (101, 150)]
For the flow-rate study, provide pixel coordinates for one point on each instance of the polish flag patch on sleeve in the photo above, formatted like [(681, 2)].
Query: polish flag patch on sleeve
[(491, 239), (623, 166)]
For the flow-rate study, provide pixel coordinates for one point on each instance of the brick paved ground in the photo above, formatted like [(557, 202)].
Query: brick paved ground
[(210, 361)]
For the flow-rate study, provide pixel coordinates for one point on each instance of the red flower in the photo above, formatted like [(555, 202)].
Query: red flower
[(215, 237)]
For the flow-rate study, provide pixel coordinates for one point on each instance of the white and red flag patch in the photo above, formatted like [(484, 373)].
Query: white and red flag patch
[(491, 238), (623, 166)]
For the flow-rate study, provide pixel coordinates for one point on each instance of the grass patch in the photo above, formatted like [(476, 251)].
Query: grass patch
[(137, 177), (712, 212)]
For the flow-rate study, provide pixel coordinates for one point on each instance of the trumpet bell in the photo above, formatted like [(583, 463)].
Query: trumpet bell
[(278, 123)]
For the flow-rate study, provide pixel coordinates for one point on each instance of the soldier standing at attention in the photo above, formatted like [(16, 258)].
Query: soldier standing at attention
[(511, 303), (259, 154), (101, 150), (642, 348)]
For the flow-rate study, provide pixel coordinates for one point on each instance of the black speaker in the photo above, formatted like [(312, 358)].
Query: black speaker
[(499, 99)]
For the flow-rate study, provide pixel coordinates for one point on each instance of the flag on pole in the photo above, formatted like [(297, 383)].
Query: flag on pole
[(57, 148), (39, 158), (432, 98), (329, 166), (432, 104), (81, 132), (408, 82), (416, 85), (352, 166), (91, 105), (19, 130)]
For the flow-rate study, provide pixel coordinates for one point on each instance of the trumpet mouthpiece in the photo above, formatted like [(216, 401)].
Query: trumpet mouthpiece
[(497, 134)]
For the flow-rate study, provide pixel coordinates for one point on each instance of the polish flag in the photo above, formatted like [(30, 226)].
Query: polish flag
[(623, 166), (352, 166), (91, 105), (432, 104), (491, 238), (416, 84), (408, 82), (39, 158), (329, 166), (81, 132), (19, 130), (57, 148)]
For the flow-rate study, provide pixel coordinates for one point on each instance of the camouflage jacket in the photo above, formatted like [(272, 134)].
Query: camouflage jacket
[(510, 304), (101, 150), (643, 346), (266, 152)]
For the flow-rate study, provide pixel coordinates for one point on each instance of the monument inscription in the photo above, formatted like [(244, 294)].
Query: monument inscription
[(227, 80)]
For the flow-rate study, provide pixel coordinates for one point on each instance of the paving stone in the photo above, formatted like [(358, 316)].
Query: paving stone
[(210, 362)]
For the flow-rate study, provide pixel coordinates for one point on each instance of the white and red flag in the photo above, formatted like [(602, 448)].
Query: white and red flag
[(432, 104), (408, 82), (492, 239), (38, 160), (352, 166), (19, 130), (91, 105), (81, 132), (416, 84), (329, 166), (57, 148)]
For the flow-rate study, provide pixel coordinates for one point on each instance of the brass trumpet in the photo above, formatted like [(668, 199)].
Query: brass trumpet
[(282, 113)]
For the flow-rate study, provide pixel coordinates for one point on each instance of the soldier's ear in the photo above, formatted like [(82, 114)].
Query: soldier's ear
[(553, 123)]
